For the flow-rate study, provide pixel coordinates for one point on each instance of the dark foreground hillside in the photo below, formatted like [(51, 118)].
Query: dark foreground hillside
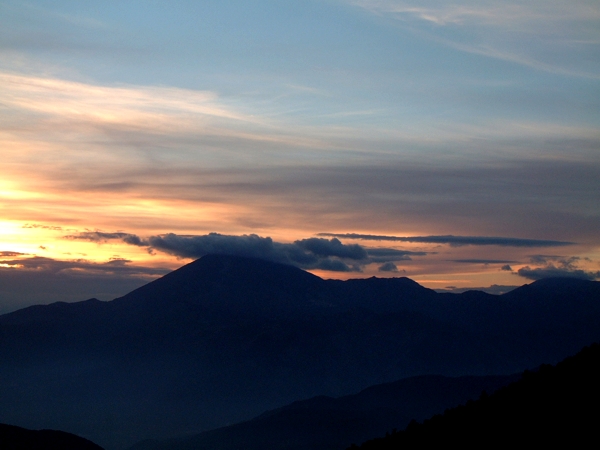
[(552, 406), (17, 438)]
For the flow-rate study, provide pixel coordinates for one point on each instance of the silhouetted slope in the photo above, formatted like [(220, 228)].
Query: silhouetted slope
[(326, 423), (224, 338), (232, 284), (554, 406), (17, 438)]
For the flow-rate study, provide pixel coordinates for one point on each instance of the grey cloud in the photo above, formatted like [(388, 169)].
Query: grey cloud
[(506, 267), (335, 265), (117, 262), (333, 247), (455, 240), (196, 246), (553, 271), (564, 261), (99, 236), (8, 254), (482, 261), (316, 246), (310, 253), (388, 267), (543, 259), (133, 239), (382, 255), (307, 253), (556, 266)]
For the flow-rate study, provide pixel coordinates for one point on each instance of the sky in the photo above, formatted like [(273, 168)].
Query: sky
[(453, 142)]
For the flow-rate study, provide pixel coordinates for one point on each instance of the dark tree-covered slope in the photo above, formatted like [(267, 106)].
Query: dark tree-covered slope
[(553, 406), (17, 438)]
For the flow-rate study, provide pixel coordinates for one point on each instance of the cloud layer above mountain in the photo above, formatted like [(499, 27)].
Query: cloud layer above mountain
[(310, 253)]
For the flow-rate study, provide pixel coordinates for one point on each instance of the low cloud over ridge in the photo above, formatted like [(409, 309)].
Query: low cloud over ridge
[(311, 253)]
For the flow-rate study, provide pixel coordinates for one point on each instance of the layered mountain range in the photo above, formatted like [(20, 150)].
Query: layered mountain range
[(225, 338)]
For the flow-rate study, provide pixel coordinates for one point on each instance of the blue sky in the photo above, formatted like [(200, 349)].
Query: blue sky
[(287, 119)]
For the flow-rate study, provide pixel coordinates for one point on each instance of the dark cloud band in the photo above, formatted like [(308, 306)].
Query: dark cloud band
[(9, 254), (556, 266), (482, 261), (454, 240), (312, 253), (553, 271), (99, 236)]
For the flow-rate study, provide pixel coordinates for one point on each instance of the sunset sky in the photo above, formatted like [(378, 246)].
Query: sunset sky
[(453, 142)]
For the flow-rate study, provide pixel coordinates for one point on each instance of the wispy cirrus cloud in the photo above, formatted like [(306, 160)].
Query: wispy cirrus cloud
[(126, 104), (84, 123), (489, 12), (88, 107), (540, 34)]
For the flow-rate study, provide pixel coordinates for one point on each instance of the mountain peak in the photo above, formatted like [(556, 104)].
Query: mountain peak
[(221, 280), (555, 286)]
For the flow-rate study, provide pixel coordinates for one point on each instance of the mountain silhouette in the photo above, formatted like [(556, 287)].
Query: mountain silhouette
[(232, 284), (224, 338)]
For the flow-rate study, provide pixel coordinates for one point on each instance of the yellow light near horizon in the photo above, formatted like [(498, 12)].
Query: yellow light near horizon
[(10, 190), (469, 280), (14, 237)]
